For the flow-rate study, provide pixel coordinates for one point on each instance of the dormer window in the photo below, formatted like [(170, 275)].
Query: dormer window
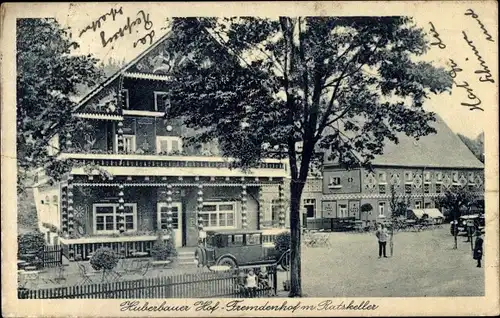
[(162, 102), (334, 183), (125, 99)]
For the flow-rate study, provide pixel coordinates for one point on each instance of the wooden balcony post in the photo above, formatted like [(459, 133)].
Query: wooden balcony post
[(281, 194), (200, 207), (244, 223), (121, 209), (169, 209), (261, 212), (71, 223)]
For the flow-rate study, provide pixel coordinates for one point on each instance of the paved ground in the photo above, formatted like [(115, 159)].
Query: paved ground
[(424, 265)]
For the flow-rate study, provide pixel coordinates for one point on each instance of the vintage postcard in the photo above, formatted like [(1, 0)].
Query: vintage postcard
[(250, 159)]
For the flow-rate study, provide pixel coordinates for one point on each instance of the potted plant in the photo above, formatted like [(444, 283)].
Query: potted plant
[(163, 250), (104, 259)]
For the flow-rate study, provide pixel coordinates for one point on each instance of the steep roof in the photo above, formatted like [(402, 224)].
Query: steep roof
[(444, 149)]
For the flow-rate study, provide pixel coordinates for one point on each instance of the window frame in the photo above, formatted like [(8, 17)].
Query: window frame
[(341, 206), (169, 140), (310, 202), (134, 142), (156, 94), (381, 204), (116, 213), (334, 185), (418, 205), (217, 212)]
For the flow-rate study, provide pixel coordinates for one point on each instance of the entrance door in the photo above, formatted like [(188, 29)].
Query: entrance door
[(176, 220)]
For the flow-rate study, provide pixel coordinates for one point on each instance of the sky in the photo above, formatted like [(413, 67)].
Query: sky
[(452, 45)]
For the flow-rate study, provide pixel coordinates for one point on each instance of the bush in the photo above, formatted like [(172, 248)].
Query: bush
[(161, 250), (104, 258), (282, 242), (31, 242)]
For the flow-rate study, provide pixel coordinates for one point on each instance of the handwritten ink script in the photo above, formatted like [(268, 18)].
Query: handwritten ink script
[(435, 34), (140, 24), (472, 14), (211, 306), (482, 72), (142, 18), (98, 23)]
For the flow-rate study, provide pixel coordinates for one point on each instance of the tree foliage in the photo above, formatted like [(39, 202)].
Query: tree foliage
[(474, 145), (338, 85), (49, 76)]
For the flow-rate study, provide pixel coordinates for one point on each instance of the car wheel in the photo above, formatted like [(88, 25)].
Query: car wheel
[(227, 261), (285, 261)]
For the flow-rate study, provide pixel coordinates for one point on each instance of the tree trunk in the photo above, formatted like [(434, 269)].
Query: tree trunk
[(296, 188)]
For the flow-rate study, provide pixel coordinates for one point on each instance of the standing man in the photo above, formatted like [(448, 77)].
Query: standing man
[(382, 236), (478, 248)]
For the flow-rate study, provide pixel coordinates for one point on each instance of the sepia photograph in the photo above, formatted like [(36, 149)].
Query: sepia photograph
[(164, 156)]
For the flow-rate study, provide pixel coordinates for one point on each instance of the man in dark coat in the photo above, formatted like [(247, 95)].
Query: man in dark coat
[(478, 248)]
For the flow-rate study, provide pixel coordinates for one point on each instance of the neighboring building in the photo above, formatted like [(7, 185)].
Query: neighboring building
[(143, 178), (420, 170)]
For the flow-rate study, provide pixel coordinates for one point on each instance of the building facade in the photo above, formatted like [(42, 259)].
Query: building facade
[(420, 171), (134, 175)]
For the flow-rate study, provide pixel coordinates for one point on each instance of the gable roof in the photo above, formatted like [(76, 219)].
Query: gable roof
[(444, 149), (96, 90)]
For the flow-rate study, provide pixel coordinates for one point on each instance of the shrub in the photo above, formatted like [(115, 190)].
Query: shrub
[(104, 258), (31, 242), (163, 250), (282, 242)]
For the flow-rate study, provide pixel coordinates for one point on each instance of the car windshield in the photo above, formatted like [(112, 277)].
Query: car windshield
[(217, 240)]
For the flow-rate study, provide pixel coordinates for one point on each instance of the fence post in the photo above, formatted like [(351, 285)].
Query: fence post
[(275, 279)]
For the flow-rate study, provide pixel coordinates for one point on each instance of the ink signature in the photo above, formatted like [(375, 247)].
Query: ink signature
[(131, 25), (471, 13), (97, 23), (474, 101), (435, 34), (485, 69)]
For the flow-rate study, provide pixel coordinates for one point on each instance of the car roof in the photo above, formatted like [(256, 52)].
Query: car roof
[(233, 231)]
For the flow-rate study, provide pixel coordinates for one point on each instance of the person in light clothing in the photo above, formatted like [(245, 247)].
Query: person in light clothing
[(382, 236), (251, 283)]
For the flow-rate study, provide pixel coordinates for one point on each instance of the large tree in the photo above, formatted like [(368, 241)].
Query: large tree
[(341, 85), (49, 79)]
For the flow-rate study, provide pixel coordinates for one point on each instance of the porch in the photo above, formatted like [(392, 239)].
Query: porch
[(135, 246)]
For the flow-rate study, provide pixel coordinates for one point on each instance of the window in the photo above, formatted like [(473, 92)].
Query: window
[(125, 97), (309, 206), (334, 183), (218, 215), (455, 177), (382, 177), (253, 239), (128, 143), (381, 208), (107, 216), (162, 216), (162, 102), (418, 204), (408, 176), (275, 212), (439, 176), (438, 187), (427, 188), (471, 178), (168, 144), (427, 176), (381, 188), (408, 188), (343, 211), (427, 205), (236, 240)]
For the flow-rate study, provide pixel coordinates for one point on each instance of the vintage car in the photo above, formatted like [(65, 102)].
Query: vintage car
[(233, 248), (475, 222)]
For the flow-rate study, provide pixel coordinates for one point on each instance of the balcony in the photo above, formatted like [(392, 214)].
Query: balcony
[(174, 165)]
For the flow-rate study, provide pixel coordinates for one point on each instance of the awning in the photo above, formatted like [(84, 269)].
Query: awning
[(432, 213)]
